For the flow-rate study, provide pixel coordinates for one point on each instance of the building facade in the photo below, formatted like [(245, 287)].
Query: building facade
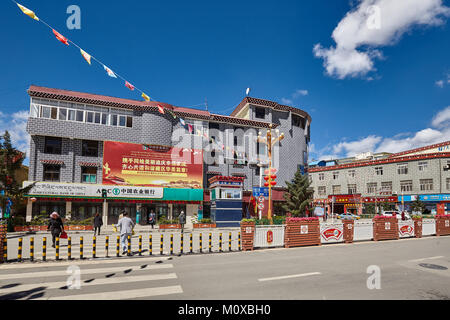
[(79, 140), (394, 178)]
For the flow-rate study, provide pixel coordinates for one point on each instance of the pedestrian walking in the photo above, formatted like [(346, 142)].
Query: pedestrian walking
[(55, 226), (152, 219), (98, 223), (403, 216), (126, 229), (182, 220)]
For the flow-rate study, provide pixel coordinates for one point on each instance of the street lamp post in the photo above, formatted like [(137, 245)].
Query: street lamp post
[(270, 141)]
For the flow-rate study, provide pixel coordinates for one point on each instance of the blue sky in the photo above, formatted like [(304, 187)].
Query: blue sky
[(383, 89)]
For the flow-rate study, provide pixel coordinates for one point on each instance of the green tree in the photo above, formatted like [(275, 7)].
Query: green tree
[(418, 206), (386, 206), (369, 208), (11, 160), (299, 195)]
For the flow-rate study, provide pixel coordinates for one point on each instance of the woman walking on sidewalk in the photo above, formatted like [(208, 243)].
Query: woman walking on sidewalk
[(55, 226)]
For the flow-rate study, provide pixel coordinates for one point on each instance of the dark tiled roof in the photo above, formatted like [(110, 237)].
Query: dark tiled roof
[(95, 99), (271, 104), (55, 162)]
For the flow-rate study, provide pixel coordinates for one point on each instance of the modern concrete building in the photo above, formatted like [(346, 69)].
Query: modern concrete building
[(77, 138), (396, 178)]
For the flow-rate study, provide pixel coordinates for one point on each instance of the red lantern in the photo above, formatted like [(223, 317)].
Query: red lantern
[(274, 170), (266, 171), (266, 184), (274, 177), (273, 183), (266, 178)]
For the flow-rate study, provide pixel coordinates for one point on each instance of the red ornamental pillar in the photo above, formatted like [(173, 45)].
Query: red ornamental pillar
[(248, 235), (349, 227)]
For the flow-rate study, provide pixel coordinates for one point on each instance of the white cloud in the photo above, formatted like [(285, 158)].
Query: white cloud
[(375, 23), (286, 101), (440, 83), (439, 132), (298, 93), (16, 125)]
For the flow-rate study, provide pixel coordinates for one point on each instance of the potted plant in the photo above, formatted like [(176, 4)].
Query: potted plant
[(165, 223), (204, 223), (302, 232)]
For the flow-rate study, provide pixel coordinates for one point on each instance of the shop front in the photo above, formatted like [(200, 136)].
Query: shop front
[(339, 204), (434, 203)]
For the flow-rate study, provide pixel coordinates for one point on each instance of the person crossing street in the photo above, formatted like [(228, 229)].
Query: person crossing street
[(126, 229)]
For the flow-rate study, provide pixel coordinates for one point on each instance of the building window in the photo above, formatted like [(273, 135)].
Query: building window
[(372, 187), (298, 121), (336, 189), (386, 186), (379, 171), (51, 172), (423, 165), (426, 184), (322, 191), (335, 175), (352, 173), (260, 113), (448, 183), (89, 175), (352, 189), (321, 176), (402, 169), (53, 145), (89, 148), (257, 171), (406, 186)]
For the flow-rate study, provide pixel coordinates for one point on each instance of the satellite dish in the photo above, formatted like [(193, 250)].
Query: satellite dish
[(248, 91)]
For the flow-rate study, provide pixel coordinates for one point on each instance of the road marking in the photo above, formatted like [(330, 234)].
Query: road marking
[(83, 272), (423, 259), (81, 262), (96, 282), (122, 295), (290, 277)]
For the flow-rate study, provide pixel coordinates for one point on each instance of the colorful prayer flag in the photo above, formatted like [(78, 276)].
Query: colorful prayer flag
[(173, 114), (129, 85), (183, 123), (60, 37), (28, 12), (146, 97), (160, 109), (86, 56), (110, 72), (191, 129)]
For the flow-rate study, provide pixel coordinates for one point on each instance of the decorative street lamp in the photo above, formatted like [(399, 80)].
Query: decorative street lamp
[(270, 141)]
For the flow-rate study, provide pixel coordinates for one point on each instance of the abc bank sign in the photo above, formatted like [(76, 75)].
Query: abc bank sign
[(41, 189)]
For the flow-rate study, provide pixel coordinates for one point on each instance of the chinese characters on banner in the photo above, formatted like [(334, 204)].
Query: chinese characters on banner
[(140, 165)]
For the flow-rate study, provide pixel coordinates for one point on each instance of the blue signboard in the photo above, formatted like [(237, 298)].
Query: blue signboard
[(426, 197), (257, 192)]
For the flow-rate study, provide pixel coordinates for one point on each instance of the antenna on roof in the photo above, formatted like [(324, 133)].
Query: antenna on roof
[(247, 92)]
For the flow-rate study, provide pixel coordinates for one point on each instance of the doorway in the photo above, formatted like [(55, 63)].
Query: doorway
[(161, 209)]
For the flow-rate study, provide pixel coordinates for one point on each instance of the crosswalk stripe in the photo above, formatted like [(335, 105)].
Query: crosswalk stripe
[(96, 282), (83, 272), (82, 262), (122, 295)]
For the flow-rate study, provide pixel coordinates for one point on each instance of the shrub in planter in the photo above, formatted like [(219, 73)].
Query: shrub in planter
[(204, 223), (247, 234), (385, 228), (302, 232)]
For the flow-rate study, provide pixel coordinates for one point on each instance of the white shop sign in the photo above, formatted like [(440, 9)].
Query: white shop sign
[(90, 190)]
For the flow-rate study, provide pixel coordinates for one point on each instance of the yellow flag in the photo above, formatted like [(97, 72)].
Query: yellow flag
[(86, 56), (28, 12), (146, 97)]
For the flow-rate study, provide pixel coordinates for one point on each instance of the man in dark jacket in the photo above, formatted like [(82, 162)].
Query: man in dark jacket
[(98, 222), (182, 219), (55, 226)]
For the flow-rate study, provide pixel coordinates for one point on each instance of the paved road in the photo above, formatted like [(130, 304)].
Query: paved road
[(328, 272)]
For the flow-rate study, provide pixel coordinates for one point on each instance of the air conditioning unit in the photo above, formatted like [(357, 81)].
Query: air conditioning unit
[(447, 167)]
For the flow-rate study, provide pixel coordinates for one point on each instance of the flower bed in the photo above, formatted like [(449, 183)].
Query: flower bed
[(442, 225), (3, 228), (169, 226), (302, 232), (349, 227), (45, 228), (385, 228), (418, 227), (204, 225), (248, 235)]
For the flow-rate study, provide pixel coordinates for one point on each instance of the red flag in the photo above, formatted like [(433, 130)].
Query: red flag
[(60, 37), (129, 85), (161, 109), (190, 128)]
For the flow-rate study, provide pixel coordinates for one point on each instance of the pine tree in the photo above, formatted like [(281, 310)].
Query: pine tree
[(299, 195), (418, 206), (11, 160)]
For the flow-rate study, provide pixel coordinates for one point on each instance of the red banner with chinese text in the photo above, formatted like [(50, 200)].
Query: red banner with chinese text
[(149, 166)]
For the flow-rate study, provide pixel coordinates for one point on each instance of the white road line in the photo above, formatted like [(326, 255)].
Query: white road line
[(83, 272), (96, 282), (423, 259), (290, 277), (122, 295), (64, 262)]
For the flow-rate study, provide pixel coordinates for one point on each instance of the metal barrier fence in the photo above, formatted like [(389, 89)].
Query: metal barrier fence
[(428, 227), (363, 231), (332, 232), (87, 247), (269, 236)]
